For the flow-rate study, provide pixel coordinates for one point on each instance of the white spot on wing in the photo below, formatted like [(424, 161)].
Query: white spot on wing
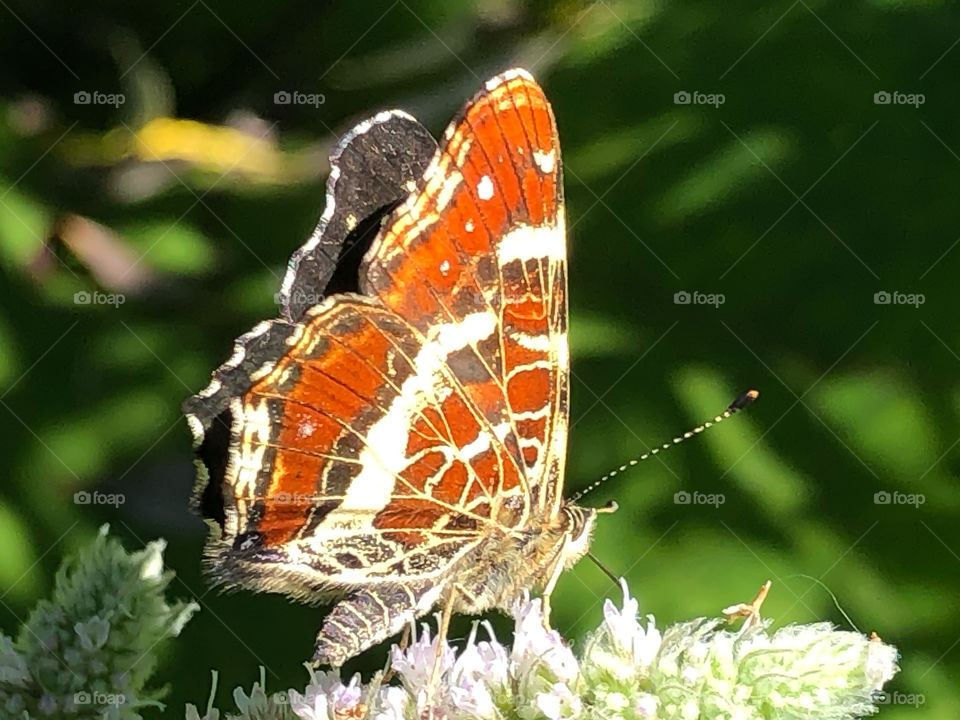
[(445, 267), (256, 423), (237, 357), (533, 414), (259, 329), (212, 389), (478, 446), (450, 184), (507, 76), (546, 161), (262, 371), (530, 243), (502, 430), (196, 427), (469, 226), (533, 342), (485, 188), (563, 351)]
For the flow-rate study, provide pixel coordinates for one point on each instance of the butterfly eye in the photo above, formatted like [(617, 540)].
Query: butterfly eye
[(579, 522)]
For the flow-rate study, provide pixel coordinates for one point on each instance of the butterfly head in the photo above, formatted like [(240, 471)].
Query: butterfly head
[(578, 523)]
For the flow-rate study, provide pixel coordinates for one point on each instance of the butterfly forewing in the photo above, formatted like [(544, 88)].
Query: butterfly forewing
[(483, 245)]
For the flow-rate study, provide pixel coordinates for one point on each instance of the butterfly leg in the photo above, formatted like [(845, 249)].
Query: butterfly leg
[(442, 631), (365, 617), (388, 671), (549, 588)]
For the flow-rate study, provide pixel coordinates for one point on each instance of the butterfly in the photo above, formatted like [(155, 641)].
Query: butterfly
[(396, 440)]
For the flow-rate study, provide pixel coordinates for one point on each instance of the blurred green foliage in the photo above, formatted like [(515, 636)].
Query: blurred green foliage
[(797, 199)]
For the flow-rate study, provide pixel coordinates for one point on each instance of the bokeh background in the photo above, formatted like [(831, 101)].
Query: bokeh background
[(786, 187)]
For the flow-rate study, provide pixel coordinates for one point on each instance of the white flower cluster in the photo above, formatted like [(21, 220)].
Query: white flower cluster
[(697, 670)]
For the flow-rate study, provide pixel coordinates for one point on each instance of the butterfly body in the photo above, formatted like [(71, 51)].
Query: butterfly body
[(401, 446), (503, 569)]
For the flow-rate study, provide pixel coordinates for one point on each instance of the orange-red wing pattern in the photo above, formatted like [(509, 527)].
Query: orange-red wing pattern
[(345, 445)]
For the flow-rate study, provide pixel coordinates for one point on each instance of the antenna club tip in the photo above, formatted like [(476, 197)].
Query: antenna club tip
[(745, 399), (610, 507)]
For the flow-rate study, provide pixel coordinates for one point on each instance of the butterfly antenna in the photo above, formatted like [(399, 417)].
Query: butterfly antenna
[(741, 402), (604, 568)]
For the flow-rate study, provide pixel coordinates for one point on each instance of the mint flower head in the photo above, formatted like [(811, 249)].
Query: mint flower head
[(628, 669), (702, 669), (89, 651)]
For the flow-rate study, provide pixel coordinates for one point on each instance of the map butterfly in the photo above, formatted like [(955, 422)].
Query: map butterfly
[(397, 438)]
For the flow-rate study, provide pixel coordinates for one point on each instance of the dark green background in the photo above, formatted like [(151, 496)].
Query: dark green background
[(798, 199)]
